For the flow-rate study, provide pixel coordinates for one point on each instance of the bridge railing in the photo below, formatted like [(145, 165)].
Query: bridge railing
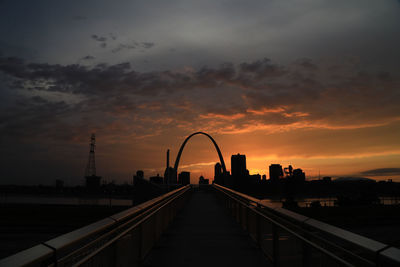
[(123, 239), (291, 239)]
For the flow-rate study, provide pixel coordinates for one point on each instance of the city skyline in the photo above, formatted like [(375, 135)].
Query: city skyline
[(312, 84)]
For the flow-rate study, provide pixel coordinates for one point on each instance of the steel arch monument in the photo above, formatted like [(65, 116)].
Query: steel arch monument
[(178, 157)]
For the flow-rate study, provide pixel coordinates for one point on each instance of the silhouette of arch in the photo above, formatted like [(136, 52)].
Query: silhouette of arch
[(178, 157)]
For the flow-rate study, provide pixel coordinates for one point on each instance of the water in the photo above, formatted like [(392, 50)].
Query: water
[(31, 199), (302, 202), (325, 201)]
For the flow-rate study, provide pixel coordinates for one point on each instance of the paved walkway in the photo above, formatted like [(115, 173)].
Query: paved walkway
[(204, 234)]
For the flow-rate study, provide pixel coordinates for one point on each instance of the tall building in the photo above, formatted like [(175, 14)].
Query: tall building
[(275, 172), (218, 178), (238, 169), (169, 174), (238, 165), (184, 178)]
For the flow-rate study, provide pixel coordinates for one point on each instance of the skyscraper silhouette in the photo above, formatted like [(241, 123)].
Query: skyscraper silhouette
[(184, 178), (238, 168), (169, 174), (218, 178), (275, 172)]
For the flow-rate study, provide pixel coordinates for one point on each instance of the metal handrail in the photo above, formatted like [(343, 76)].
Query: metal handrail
[(67, 245), (120, 220), (297, 223), (333, 256), (303, 224), (130, 228)]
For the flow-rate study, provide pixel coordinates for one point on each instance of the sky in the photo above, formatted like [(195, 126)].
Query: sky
[(311, 83)]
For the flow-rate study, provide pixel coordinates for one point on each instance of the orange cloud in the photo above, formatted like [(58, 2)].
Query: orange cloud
[(265, 110), (221, 116)]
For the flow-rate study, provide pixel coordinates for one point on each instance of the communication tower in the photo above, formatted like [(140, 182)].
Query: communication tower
[(92, 180), (91, 165)]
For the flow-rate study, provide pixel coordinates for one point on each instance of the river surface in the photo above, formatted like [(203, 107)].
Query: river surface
[(325, 201), (34, 199)]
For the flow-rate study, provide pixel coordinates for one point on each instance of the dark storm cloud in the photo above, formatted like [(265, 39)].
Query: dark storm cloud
[(147, 45), (211, 77), (306, 63), (103, 43), (88, 57), (34, 117), (43, 103), (258, 94), (124, 46), (102, 40), (75, 79), (354, 100), (112, 36), (99, 38), (133, 45), (382, 172), (261, 69)]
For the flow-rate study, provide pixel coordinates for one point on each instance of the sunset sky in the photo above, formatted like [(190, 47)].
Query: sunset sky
[(312, 83)]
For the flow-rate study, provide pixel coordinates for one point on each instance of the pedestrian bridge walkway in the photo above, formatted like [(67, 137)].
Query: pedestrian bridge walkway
[(203, 234), (207, 226)]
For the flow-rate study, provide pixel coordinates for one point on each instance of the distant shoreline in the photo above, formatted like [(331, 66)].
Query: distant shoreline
[(51, 199)]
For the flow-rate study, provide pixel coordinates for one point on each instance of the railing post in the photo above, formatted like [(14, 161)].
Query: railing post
[(258, 230), (275, 245), (247, 219), (306, 255), (140, 247)]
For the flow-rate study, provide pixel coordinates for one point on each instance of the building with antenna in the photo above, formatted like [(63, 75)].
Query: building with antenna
[(170, 176)]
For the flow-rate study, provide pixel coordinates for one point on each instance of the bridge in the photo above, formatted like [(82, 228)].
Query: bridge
[(207, 225)]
